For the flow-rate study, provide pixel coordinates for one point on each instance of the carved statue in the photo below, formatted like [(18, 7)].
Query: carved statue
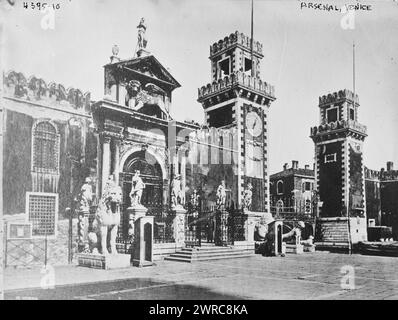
[(85, 196), (142, 41), (107, 216), (247, 197), (221, 194), (137, 188), (177, 198)]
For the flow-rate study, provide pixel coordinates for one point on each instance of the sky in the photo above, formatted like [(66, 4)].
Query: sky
[(307, 53)]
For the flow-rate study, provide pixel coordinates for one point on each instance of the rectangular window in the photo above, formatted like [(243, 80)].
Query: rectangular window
[(224, 66), (352, 114), (42, 212), (330, 157), (332, 115), (248, 64)]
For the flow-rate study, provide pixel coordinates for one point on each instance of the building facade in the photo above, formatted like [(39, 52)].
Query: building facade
[(292, 191), (57, 140), (381, 197), (49, 147)]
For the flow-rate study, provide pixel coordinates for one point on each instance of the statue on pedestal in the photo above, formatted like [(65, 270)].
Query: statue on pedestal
[(142, 41), (177, 198), (85, 196), (221, 195), (137, 188), (247, 197)]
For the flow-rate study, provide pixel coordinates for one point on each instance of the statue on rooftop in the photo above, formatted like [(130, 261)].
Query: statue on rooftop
[(142, 41)]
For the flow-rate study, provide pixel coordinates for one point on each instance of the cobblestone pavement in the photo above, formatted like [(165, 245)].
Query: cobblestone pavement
[(316, 275)]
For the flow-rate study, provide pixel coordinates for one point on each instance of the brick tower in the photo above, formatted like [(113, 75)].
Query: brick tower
[(339, 170), (237, 97)]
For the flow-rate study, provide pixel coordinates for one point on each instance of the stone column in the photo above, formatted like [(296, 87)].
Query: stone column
[(116, 160), (106, 150), (179, 226), (182, 173)]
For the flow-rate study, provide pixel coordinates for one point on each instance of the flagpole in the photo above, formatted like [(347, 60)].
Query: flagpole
[(251, 42), (353, 68)]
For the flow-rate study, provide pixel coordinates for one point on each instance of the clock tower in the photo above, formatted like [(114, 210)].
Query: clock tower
[(237, 97)]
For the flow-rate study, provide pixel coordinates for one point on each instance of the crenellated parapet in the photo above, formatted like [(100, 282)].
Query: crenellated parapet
[(234, 39), (372, 174), (381, 175), (336, 97), (353, 127), (236, 80), (35, 89)]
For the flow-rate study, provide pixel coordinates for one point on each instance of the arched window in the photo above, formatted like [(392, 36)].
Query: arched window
[(279, 187), (45, 148)]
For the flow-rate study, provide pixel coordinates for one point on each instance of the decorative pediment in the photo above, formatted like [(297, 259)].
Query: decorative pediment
[(146, 68)]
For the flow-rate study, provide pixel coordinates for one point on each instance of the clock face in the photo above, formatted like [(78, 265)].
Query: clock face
[(254, 124)]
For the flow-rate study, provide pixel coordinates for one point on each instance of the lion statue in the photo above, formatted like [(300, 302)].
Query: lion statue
[(107, 217)]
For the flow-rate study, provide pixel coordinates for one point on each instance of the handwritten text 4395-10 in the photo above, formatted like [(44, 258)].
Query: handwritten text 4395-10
[(41, 5)]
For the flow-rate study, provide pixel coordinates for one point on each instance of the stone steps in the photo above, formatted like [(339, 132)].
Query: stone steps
[(208, 253)]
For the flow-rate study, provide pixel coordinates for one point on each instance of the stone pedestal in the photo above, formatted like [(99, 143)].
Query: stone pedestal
[(82, 230), (309, 247), (294, 248), (143, 242), (179, 225), (100, 261), (134, 213)]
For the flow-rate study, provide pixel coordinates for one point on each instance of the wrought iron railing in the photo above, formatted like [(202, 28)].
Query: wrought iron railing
[(163, 229)]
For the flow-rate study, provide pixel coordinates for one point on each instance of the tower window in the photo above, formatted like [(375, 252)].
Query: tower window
[(332, 157), (306, 186), (331, 115), (224, 66), (352, 114), (248, 64)]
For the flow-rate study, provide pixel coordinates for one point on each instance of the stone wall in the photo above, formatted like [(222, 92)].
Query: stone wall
[(335, 230), (32, 252)]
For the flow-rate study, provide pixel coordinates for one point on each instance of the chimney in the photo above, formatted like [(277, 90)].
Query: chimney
[(294, 164), (285, 166), (390, 166), (306, 167)]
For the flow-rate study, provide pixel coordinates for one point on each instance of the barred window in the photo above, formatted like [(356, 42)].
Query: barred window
[(42, 209), (45, 151)]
